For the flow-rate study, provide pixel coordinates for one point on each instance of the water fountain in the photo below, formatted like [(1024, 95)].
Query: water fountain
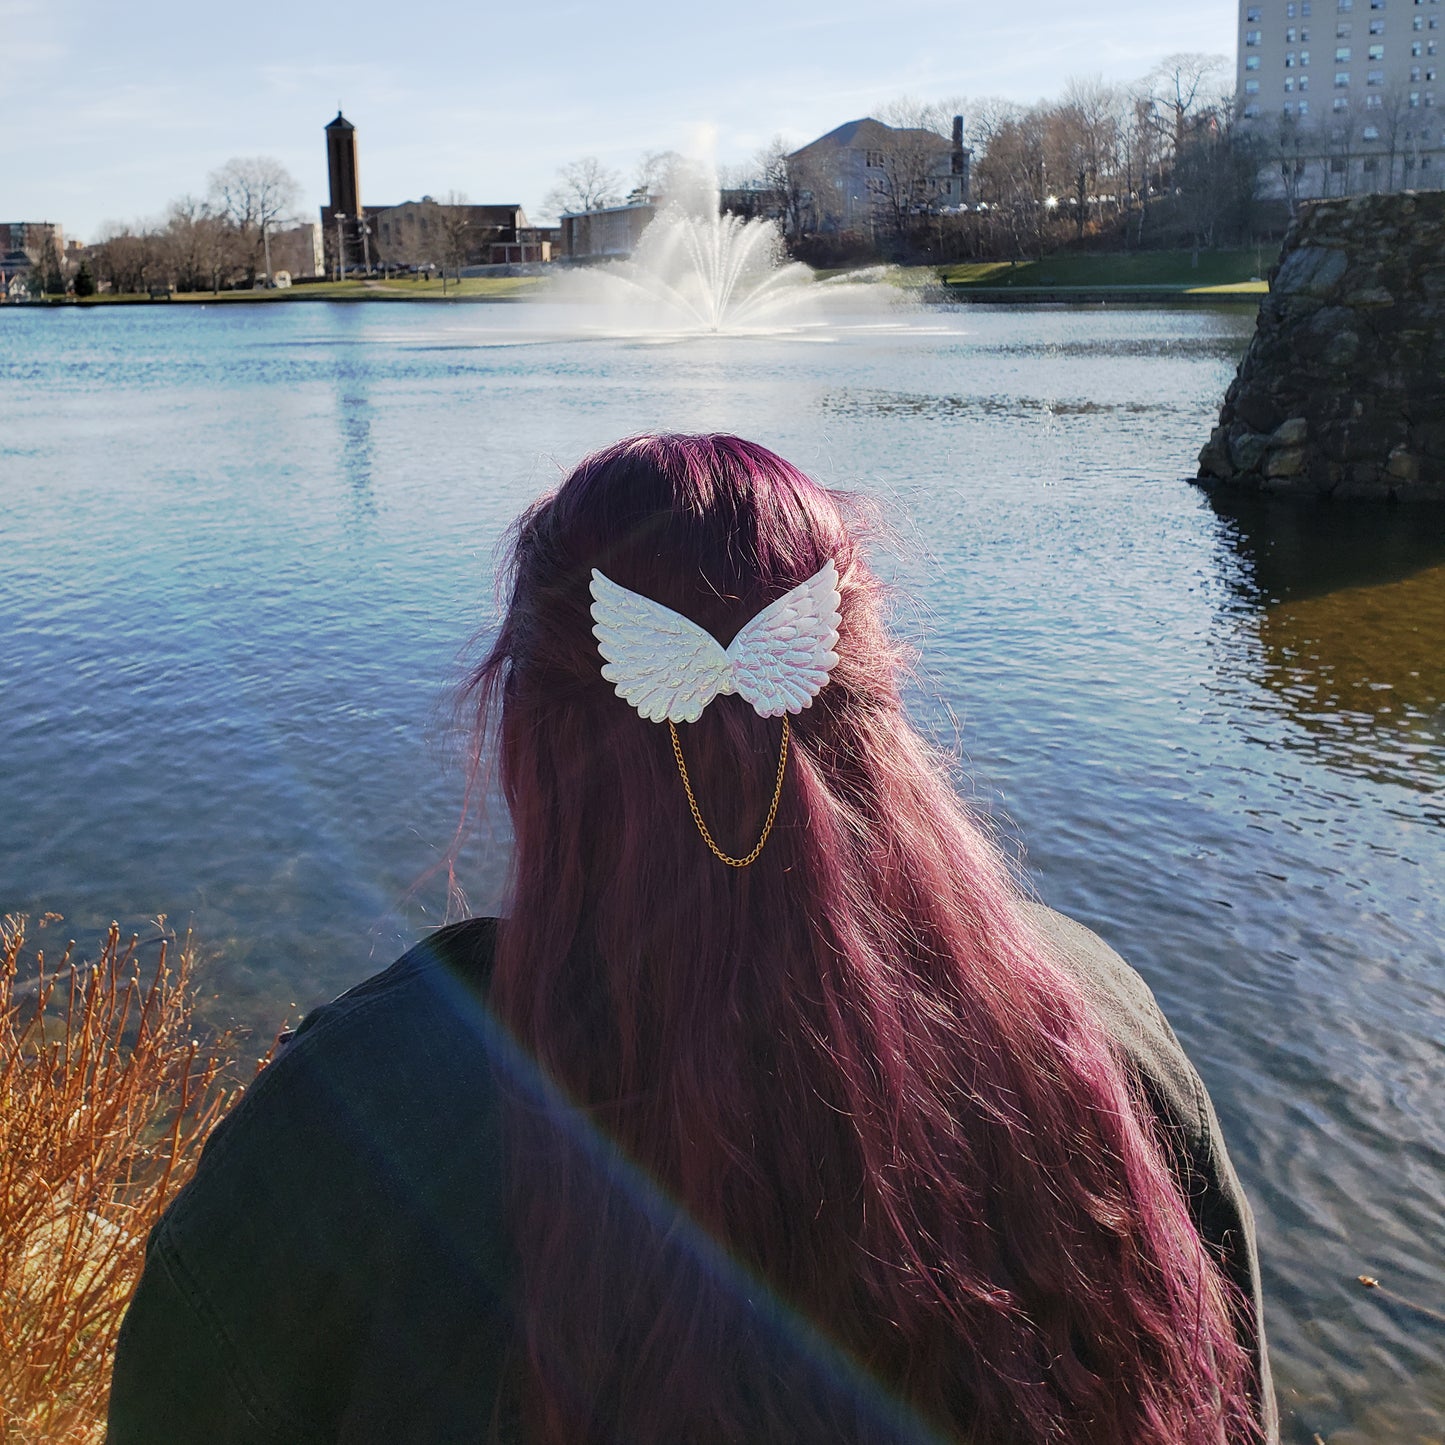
[(710, 272), (697, 270)]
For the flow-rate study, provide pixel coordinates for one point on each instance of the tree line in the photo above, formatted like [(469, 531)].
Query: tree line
[(210, 243), (1162, 161)]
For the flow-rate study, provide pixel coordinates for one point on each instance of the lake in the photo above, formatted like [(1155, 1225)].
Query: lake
[(244, 547)]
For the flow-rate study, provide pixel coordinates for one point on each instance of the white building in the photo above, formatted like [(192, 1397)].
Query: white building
[(1345, 94)]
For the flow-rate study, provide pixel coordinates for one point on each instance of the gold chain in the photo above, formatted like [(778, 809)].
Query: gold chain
[(697, 812)]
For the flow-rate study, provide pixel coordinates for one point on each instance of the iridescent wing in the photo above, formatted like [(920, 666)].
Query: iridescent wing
[(782, 658), (668, 668)]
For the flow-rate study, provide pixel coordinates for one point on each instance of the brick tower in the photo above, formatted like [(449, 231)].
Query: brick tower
[(345, 192)]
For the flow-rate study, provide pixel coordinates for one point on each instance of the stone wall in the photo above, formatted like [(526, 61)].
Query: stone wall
[(1342, 391)]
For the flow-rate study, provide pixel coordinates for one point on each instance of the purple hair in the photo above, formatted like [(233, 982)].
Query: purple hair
[(827, 1148)]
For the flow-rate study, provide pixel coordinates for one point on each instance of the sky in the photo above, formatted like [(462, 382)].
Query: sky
[(114, 110)]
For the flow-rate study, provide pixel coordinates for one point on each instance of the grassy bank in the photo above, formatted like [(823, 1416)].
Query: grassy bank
[(1184, 273), (470, 288), (1138, 275)]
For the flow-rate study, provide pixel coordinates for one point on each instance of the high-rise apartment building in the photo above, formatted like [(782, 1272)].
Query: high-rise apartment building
[(1345, 94)]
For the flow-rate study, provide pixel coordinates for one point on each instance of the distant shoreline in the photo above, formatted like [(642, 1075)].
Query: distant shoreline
[(1134, 278)]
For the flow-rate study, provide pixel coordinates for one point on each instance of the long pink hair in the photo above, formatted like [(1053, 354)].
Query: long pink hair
[(827, 1148)]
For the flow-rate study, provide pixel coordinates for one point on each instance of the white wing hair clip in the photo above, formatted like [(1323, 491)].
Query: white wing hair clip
[(669, 668)]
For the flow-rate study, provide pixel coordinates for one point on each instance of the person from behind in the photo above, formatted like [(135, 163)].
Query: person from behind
[(770, 1110)]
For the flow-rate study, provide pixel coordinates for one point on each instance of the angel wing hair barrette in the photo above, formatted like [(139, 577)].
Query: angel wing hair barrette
[(670, 669)]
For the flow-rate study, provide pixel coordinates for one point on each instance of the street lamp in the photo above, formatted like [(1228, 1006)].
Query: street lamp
[(340, 247)]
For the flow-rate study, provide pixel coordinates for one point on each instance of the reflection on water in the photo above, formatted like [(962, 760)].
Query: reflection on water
[(901, 403), (1347, 626)]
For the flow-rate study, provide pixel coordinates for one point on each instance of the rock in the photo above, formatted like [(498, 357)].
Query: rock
[(1313, 270), (1342, 349), (1402, 465), (1214, 456), (1287, 463), (1370, 296), (1342, 390), (1246, 451)]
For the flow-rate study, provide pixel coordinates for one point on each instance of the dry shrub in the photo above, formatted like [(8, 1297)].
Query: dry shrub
[(104, 1100)]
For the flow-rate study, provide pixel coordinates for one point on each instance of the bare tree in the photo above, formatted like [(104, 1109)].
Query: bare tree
[(911, 158), (791, 188), (202, 249), (255, 193), (1184, 84), (656, 176), (584, 185), (1014, 173), (455, 232), (1088, 122), (1144, 139), (1340, 133), (1393, 118), (1289, 151), (128, 258)]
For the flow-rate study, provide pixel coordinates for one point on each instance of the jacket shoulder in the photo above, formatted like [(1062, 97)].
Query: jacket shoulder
[(362, 1166)]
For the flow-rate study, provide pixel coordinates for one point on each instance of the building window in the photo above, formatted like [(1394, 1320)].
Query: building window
[(1371, 132), (1342, 79), (1251, 111), (1251, 37), (1304, 107), (1251, 87), (1414, 99), (1414, 74), (1424, 160), (1418, 23), (1304, 82), (1289, 60), (1337, 165), (1305, 7), (1342, 30), (1347, 5), (1415, 48), (1372, 163), (1429, 97), (1304, 57), (1377, 52), (1430, 74), (1341, 103), (1251, 15), (1291, 35), (1373, 102), (1251, 62), (1375, 77), (1289, 10), (1377, 4), (1288, 84), (1342, 56), (1377, 27)]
